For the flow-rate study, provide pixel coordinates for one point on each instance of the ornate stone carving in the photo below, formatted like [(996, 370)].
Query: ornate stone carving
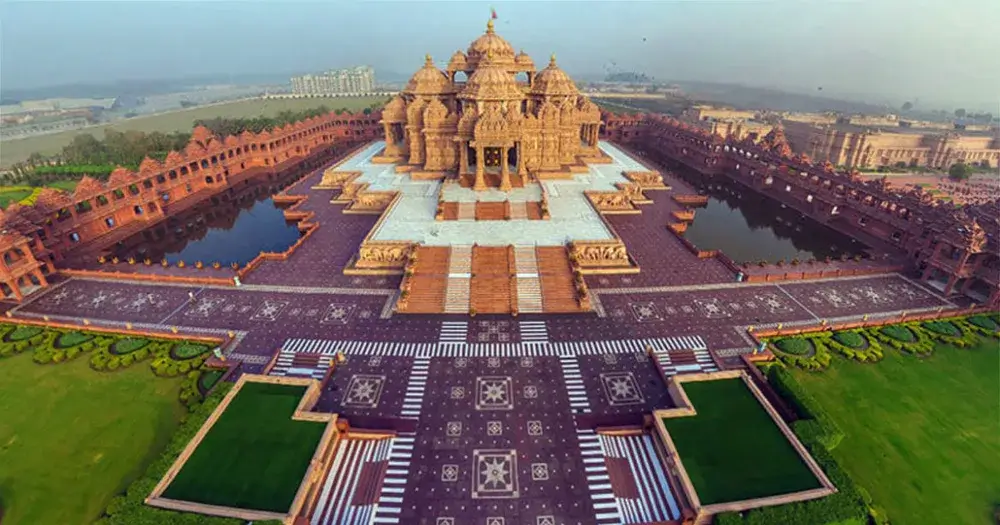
[(383, 255), (595, 254), (645, 179)]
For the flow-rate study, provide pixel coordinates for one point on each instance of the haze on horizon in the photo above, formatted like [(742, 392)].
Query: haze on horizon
[(944, 54)]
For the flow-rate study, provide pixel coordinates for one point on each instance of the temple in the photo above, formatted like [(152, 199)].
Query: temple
[(491, 127)]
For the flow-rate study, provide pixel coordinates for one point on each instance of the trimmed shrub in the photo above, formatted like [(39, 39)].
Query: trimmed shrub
[(795, 345), (943, 328), (899, 333), (128, 345), (23, 332), (806, 406), (983, 321), (850, 339), (188, 350), (72, 339)]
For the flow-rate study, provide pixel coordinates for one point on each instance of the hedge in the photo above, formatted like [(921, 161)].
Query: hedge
[(21, 333), (189, 350), (48, 346), (983, 321), (130, 509), (805, 405)]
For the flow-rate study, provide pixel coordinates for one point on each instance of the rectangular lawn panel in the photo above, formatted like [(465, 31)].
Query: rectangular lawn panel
[(732, 449), (254, 456), (921, 434), (72, 438)]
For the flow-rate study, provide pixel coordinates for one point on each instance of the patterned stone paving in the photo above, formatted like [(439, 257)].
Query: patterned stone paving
[(498, 411)]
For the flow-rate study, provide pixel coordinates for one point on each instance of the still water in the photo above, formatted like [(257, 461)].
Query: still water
[(747, 226), (227, 232)]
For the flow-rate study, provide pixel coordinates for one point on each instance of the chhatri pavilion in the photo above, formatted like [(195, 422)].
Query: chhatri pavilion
[(491, 191)]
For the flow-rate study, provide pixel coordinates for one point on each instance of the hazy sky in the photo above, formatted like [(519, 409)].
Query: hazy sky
[(944, 52)]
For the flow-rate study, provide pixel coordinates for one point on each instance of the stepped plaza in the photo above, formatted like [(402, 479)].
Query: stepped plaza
[(491, 310)]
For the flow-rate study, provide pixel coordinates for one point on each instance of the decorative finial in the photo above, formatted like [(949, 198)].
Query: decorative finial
[(552, 60), (489, 27), (428, 61), (489, 54)]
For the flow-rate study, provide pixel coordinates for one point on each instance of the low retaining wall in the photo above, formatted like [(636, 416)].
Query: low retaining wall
[(150, 277), (823, 326), (85, 326)]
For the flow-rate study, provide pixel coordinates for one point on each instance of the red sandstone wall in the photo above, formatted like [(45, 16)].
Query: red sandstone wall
[(130, 201)]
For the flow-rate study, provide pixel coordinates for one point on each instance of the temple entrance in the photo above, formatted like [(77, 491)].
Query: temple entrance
[(492, 157), (472, 157), (512, 159)]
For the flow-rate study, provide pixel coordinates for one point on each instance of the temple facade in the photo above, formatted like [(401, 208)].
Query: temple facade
[(490, 126)]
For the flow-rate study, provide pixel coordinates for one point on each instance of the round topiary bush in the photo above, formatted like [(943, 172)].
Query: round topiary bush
[(942, 327), (850, 339), (795, 345), (899, 333)]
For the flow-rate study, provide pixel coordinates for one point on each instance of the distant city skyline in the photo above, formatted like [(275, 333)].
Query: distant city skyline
[(888, 51)]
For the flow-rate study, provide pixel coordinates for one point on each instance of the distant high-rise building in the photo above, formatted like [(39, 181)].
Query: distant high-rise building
[(360, 79)]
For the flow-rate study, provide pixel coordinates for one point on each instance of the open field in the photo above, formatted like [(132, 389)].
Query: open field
[(255, 456), (920, 433), (72, 438), (721, 470), (9, 194), (19, 149)]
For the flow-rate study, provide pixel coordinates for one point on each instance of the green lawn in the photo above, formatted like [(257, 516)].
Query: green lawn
[(9, 194), (71, 438), (182, 120), (732, 450), (255, 456), (922, 434)]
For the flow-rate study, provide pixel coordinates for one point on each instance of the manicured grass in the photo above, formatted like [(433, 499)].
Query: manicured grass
[(732, 449), (13, 194), (182, 120), (72, 438), (921, 433), (255, 456)]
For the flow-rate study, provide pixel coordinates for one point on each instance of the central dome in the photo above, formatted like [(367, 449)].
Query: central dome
[(493, 43), (490, 81)]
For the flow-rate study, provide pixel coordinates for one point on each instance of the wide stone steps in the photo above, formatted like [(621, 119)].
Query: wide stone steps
[(490, 288), (456, 298), (460, 261), (556, 276), (518, 211), (467, 211), (524, 260), (529, 295)]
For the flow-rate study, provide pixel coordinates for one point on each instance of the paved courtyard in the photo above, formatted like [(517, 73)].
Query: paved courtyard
[(495, 415)]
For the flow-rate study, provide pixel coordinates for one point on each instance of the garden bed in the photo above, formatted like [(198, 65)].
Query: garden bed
[(183, 351), (128, 345), (254, 456), (709, 445), (71, 339)]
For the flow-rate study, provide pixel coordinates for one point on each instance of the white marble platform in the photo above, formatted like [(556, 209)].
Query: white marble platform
[(412, 219)]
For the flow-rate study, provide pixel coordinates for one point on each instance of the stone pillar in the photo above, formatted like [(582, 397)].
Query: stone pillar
[(522, 168), (480, 183), (41, 278), (387, 128), (952, 279), (15, 287), (504, 170), (463, 158)]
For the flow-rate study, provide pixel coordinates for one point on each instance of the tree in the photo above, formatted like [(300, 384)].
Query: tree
[(959, 171), (907, 106), (960, 113)]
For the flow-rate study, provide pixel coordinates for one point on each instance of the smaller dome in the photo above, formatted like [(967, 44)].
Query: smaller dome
[(553, 81), (522, 59), (428, 80), (457, 62)]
